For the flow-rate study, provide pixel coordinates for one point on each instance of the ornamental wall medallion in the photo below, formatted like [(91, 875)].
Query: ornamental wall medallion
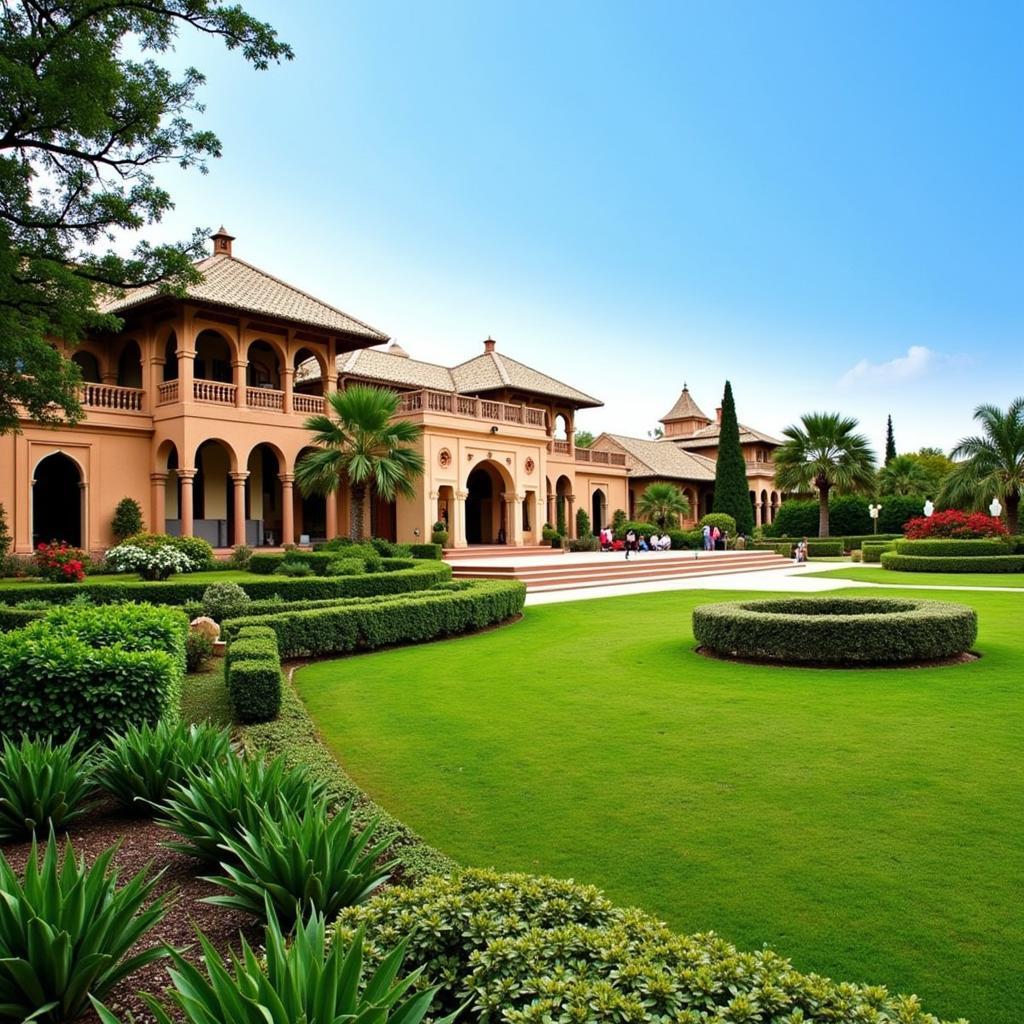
[(444, 457), (508, 461), (530, 466)]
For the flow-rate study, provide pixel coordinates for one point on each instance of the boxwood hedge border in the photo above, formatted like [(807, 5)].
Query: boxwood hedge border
[(959, 563), (836, 631)]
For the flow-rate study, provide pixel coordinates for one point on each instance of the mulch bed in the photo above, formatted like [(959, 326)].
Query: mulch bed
[(959, 659), (141, 843)]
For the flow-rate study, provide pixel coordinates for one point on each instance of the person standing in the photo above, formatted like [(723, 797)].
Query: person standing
[(707, 537), (630, 541), (716, 535)]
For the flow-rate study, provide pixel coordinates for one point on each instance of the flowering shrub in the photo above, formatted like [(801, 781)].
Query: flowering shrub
[(156, 563), (952, 523), (60, 562), (197, 550)]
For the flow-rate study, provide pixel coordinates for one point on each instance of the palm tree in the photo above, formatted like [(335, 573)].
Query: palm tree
[(904, 474), (824, 453), (662, 503), (993, 463), (365, 446)]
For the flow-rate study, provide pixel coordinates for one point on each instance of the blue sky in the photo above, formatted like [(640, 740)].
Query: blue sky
[(820, 202)]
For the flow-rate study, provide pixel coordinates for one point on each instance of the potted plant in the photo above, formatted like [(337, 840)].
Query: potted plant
[(439, 533)]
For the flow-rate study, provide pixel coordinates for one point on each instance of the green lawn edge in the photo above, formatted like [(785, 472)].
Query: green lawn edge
[(939, 580)]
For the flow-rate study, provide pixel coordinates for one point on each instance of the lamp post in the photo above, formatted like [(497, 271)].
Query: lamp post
[(873, 511), (996, 509), (929, 508)]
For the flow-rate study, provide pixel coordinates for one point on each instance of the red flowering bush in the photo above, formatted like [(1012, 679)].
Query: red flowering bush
[(60, 563), (960, 525)]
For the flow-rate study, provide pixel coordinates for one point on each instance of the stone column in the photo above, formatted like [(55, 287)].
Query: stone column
[(757, 513), (288, 383), (552, 510), (287, 508), (240, 367), (459, 519), (570, 516), (331, 501), (514, 505), (238, 525), (158, 499), (185, 512)]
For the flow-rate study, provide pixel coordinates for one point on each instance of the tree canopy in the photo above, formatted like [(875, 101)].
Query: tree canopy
[(88, 114), (906, 475), (890, 441), (824, 452), (358, 441), (732, 492), (663, 503), (583, 438), (993, 463)]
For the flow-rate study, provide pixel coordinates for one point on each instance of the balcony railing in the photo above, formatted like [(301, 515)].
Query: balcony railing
[(451, 404), (765, 468), (264, 398), (213, 391), (111, 396), (308, 404), (561, 448), (600, 458)]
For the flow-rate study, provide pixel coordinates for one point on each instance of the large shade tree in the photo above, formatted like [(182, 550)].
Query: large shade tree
[(88, 113), (907, 475), (824, 453), (664, 504), (992, 463), (360, 443)]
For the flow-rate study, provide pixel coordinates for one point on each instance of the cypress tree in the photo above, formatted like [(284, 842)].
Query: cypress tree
[(890, 442), (732, 492)]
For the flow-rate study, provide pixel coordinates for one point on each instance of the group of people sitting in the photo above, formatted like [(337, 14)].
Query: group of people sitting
[(634, 541)]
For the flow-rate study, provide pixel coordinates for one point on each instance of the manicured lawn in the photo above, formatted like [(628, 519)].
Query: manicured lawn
[(876, 574), (867, 824), (214, 576), (204, 697)]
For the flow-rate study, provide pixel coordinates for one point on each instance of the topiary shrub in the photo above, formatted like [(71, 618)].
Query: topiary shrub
[(836, 630), (953, 548), (522, 949), (225, 601), (872, 550), (725, 523), (433, 550), (254, 689), (582, 523), (127, 519), (928, 563)]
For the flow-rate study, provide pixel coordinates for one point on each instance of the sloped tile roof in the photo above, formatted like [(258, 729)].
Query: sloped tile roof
[(685, 408), (395, 369), (663, 459), (233, 283), (707, 437), (491, 371)]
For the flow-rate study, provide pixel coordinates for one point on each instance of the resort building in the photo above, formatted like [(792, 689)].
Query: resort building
[(196, 409)]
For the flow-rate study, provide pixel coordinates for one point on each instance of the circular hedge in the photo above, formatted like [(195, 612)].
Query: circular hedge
[(836, 630)]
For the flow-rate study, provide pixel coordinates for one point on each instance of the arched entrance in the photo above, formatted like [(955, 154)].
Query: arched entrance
[(264, 513), (485, 506), (58, 497), (598, 511), (563, 513), (311, 510), (213, 496)]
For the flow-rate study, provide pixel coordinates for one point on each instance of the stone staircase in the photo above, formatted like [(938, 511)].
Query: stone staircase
[(489, 551), (611, 569)]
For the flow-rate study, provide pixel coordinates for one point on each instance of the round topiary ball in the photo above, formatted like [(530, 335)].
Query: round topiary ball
[(224, 601)]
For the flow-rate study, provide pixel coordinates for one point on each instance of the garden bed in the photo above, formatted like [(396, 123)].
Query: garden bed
[(836, 632)]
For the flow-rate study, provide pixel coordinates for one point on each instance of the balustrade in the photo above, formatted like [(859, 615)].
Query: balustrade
[(167, 392), (213, 391), (264, 398), (111, 396), (308, 403)]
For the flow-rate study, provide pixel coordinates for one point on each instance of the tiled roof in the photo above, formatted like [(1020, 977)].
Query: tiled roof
[(707, 437), (233, 283), (487, 372), (491, 371), (663, 459), (685, 408)]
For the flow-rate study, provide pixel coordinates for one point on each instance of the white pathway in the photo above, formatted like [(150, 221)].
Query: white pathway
[(795, 579)]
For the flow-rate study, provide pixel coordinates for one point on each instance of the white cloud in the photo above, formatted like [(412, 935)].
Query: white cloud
[(916, 363)]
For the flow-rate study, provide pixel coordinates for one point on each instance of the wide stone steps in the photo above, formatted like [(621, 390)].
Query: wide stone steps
[(488, 551), (612, 569)]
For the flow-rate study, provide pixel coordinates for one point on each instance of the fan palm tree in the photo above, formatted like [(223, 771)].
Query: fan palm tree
[(662, 504), (824, 453), (904, 474), (993, 463), (362, 444)]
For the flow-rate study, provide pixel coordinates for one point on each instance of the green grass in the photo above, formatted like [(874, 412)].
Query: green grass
[(204, 697), (876, 574), (214, 576), (865, 823)]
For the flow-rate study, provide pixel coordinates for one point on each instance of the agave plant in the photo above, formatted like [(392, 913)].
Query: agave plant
[(140, 765), (306, 979), (298, 857), (214, 804), (65, 932), (42, 785)]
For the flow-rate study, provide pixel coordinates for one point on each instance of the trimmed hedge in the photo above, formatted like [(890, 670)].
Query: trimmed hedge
[(432, 551), (254, 689), (856, 543), (16, 618), (873, 552), (924, 563), (946, 548), (518, 948), (264, 565), (94, 669), (411, 618), (252, 648), (836, 630), (401, 576)]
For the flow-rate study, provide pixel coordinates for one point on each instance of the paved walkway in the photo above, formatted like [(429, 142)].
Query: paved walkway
[(796, 579)]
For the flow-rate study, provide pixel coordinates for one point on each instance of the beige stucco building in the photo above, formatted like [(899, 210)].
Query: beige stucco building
[(196, 409)]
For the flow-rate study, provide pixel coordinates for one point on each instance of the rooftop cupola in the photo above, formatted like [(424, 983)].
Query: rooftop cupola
[(685, 417), (489, 344), (222, 242)]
